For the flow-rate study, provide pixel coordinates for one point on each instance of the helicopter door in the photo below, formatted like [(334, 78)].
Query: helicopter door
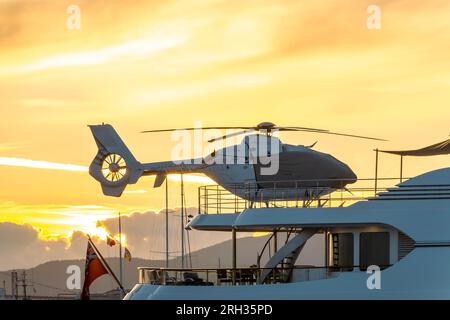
[(263, 160)]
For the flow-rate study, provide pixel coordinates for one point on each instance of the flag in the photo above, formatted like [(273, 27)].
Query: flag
[(92, 270), (127, 255), (110, 241)]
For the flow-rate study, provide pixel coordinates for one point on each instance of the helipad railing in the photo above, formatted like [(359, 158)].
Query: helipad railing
[(287, 194)]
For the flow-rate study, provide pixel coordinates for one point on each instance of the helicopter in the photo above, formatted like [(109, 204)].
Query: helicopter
[(258, 169)]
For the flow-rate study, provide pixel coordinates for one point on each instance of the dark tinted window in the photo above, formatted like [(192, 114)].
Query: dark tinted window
[(373, 249), (342, 248)]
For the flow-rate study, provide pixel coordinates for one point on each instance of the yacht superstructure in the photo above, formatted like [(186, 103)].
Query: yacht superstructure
[(402, 231)]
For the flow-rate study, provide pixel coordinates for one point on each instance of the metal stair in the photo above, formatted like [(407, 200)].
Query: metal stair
[(282, 262)]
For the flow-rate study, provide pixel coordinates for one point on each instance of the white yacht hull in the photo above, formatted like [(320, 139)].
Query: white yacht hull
[(423, 274)]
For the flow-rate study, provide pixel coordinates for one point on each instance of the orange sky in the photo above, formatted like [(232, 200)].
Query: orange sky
[(156, 64)]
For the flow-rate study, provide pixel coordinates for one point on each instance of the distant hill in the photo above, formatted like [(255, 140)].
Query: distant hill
[(49, 279)]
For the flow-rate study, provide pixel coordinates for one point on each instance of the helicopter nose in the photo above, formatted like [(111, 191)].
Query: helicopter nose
[(343, 174), (346, 174), (351, 176)]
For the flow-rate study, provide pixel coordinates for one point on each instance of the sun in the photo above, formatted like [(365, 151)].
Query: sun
[(97, 231)]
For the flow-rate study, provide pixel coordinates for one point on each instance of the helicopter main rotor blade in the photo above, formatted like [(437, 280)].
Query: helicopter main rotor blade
[(265, 131), (242, 128), (230, 135), (300, 128), (295, 130), (337, 134), (264, 128), (190, 129)]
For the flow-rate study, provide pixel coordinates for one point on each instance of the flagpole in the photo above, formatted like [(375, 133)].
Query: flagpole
[(167, 222), (120, 251), (105, 264)]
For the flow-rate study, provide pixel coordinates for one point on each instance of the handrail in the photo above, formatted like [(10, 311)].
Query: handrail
[(258, 262), (260, 255), (256, 268), (248, 275)]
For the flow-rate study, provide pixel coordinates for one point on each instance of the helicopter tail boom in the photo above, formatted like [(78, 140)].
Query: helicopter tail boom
[(114, 166)]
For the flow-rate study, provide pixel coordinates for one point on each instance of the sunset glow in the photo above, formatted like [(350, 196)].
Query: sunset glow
[(57, 221), (141, 47), (168, 64)]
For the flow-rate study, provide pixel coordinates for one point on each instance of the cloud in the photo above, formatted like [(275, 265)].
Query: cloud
[(145, 233), (21, 246), (27, 163), (137, 48)]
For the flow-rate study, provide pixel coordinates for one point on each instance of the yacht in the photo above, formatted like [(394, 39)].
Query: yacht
[(380, 243)]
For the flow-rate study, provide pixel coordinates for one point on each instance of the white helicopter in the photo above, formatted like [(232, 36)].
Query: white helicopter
[(301, 173)]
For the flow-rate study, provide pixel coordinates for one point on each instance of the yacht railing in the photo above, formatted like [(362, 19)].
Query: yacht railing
[(288, 193), (242, 276)]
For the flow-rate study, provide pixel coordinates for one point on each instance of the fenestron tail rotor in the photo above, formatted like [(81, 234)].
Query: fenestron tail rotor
[(114, 167)]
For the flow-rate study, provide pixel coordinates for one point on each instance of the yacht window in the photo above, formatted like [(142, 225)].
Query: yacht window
[(373, 249), (342, 246)]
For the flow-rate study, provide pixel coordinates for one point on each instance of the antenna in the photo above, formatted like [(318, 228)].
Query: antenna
[(23, 284), (120, 251), (182, 222), (14, 285), (187, 236)]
